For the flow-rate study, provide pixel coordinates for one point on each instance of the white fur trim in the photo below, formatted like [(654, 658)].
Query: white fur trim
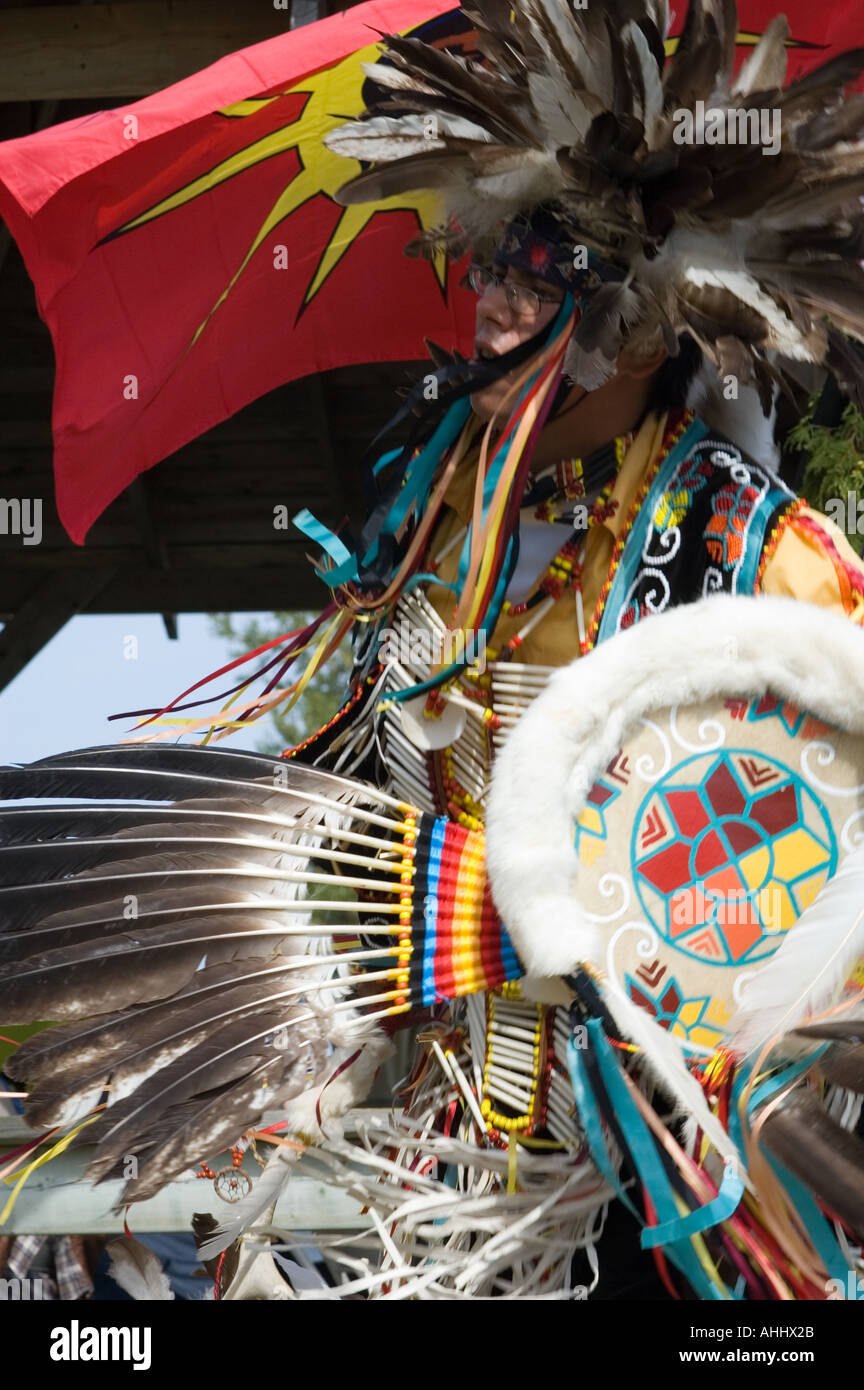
[(721, 646)]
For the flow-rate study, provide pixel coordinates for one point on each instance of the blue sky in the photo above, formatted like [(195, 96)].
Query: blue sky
[(62, 699)]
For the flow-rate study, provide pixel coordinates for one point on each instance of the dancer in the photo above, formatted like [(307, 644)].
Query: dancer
[(553, 493)]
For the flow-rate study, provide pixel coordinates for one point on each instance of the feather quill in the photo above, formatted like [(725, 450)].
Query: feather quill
[(638, 52), (389, 137)]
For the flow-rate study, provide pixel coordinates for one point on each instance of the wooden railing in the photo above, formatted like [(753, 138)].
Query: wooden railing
[(56, 1199)]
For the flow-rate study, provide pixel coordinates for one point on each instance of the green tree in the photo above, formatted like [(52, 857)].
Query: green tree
[(322, 696), (835, 465)]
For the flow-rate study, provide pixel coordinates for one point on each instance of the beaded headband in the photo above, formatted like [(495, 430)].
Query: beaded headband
[(530, 244)]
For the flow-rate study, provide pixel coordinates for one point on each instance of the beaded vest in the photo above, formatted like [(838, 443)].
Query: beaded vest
[(699, 524), (703, 520), (701, 529)]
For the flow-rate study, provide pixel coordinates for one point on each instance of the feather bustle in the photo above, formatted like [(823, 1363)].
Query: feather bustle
[(583, 103), (173, 1009)]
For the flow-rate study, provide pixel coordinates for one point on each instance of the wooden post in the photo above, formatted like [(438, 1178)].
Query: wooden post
[(123, 50)]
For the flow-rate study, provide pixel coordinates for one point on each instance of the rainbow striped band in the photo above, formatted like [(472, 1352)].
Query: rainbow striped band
[(459, 944)]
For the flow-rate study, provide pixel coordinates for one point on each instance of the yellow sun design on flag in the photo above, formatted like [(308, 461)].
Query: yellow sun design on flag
[(334, 97)]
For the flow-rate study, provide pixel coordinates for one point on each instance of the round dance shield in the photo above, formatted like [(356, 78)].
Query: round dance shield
[(703, 841), (672, 803)]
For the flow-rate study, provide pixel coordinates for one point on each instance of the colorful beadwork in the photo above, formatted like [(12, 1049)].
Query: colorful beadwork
[(699, 529), (458, 945), (775, 536), (713, 853), (730, 830)]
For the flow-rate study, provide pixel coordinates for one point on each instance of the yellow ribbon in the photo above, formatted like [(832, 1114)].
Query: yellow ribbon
[(56, 1149), (512, 1160)]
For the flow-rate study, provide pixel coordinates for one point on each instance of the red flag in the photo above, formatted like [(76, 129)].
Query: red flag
[(817, 31), (188, 255), (133, 223)]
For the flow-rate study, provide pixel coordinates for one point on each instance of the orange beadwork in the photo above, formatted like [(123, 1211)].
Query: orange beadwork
[(775, 536), (340, 714)]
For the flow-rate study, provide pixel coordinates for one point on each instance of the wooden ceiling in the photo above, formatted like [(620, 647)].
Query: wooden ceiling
[(195, 533)]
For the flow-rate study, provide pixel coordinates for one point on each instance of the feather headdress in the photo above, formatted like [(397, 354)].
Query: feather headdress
[(731, 207)]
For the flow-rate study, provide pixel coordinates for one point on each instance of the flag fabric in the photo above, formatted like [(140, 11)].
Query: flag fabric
[(188, 255), (133, 223)]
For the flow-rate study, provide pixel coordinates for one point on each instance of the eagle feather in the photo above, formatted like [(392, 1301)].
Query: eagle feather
[(577, 107)]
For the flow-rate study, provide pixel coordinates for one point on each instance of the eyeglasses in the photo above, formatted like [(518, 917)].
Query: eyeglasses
[(522, 300)]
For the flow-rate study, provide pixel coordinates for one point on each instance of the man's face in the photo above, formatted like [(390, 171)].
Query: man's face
[(500, 327)]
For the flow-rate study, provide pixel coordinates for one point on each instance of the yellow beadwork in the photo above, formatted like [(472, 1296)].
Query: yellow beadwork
[(507, 1124), (775, 536)]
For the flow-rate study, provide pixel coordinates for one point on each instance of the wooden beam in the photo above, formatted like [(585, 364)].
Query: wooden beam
[(138, 493), (49, 607), (213, 591), (203, 590), (207, 551), (306, 12), (125, 50), (45, 115), (56, 1200), (345, 495)]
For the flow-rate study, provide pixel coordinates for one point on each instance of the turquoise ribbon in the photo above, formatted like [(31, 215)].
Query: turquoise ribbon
[(817, 1224), (413, 494), (390, 455), (411, 692), (720, 1208), (330, 543), (592, 1123), (490, 482), (643, 1151), (420, 472), (427, 579)]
